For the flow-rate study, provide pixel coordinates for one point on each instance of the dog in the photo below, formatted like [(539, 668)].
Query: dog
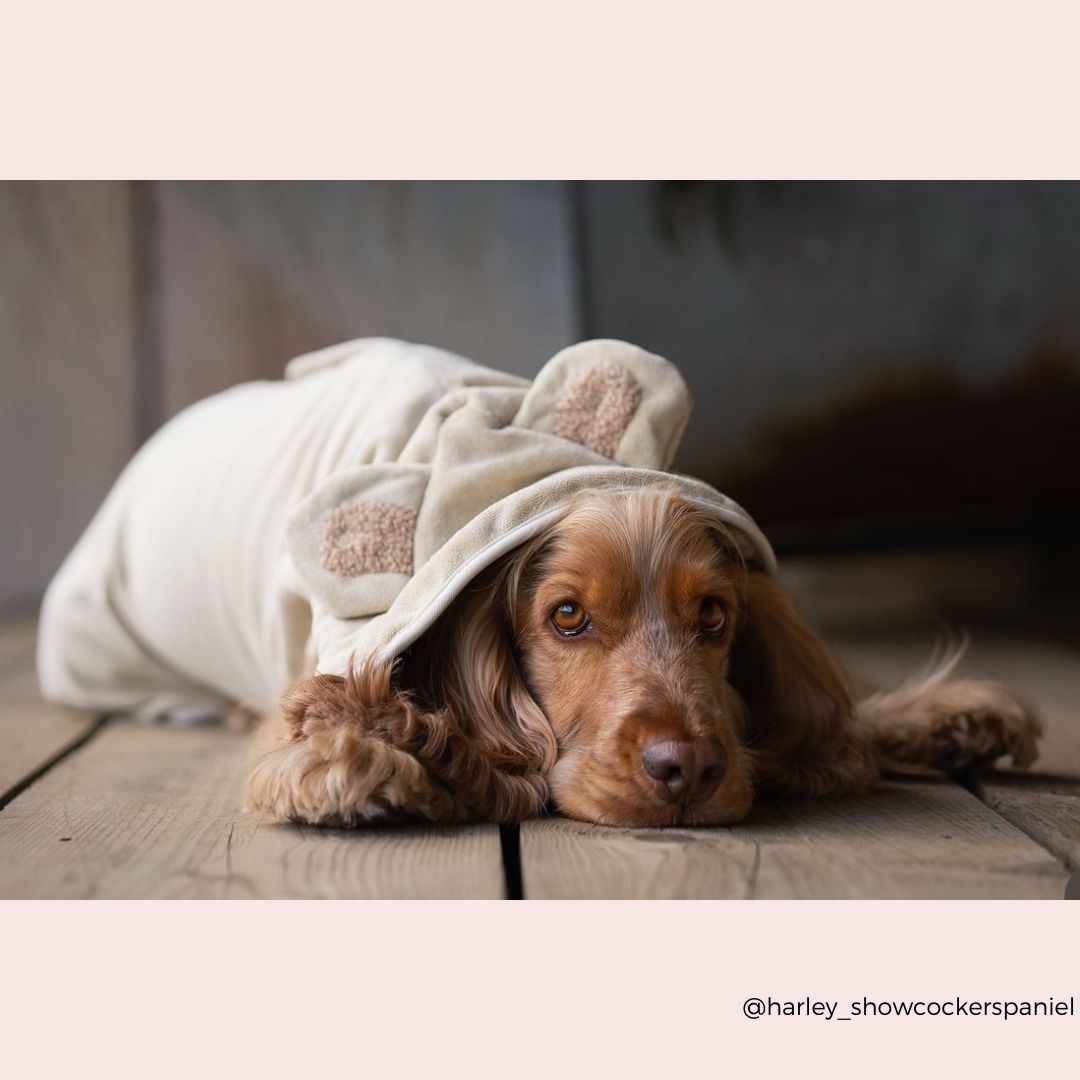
[(628, 668), (483, 597)]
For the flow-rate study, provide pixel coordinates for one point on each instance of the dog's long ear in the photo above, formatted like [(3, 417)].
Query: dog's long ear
[(450, 732), (499, 744), (802, 729)]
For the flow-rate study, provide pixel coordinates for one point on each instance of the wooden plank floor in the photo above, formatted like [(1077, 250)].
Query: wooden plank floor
[(31, 732), (154, 812), (127, 810), (912, 840)]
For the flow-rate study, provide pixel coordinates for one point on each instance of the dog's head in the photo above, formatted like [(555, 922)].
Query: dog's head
[(624, 620), (630, 657)]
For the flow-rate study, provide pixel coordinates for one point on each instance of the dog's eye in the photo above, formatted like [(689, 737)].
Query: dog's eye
[(712, 616), (570, 619)]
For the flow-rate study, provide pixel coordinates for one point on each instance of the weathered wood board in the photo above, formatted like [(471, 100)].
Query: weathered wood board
[(908, 839), (1046, 808), (153, 812)]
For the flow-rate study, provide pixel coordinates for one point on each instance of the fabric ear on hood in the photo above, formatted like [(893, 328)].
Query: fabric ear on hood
[(611, 397), (353, 539), (590, 399)]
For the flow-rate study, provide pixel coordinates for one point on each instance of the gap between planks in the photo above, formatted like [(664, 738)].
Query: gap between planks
[(1046, 808)]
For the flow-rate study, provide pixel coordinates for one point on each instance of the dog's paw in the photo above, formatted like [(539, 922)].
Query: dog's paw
[(341, 777), (976, 723)]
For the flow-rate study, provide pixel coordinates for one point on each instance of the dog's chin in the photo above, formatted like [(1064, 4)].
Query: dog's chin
[(639, 808)]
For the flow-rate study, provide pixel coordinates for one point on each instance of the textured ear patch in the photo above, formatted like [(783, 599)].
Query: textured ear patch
[(368, 538), (597, 406)]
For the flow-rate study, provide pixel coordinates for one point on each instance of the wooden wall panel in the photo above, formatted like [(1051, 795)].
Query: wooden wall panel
[(122, 303), (67, 368), (255, 273), (856, 349)]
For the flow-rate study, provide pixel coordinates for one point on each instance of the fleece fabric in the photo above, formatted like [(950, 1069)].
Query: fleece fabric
[(306, 524)]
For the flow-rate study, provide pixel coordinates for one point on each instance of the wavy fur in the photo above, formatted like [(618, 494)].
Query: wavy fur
[(493, 715)]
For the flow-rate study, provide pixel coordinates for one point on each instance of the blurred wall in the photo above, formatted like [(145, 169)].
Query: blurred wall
[(122, 303), (68, 368), (869, 360), (252, 274)]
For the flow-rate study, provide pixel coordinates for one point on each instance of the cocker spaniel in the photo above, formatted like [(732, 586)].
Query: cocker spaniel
[(512, 599), (626, 667)]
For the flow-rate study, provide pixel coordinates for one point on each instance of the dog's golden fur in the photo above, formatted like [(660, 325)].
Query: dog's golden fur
[(495, 714)]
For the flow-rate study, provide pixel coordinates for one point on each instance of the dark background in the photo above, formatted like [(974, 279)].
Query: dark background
[(878, 367)]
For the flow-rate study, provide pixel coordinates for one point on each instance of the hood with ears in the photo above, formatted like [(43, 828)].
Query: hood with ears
[(385, 548)]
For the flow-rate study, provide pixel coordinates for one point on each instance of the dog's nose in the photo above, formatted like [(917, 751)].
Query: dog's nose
[(684, 770)]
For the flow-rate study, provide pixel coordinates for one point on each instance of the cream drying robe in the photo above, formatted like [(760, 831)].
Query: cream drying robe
[(284, 527)]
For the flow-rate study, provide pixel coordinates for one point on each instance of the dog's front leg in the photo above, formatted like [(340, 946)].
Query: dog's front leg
[(326, 767)]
